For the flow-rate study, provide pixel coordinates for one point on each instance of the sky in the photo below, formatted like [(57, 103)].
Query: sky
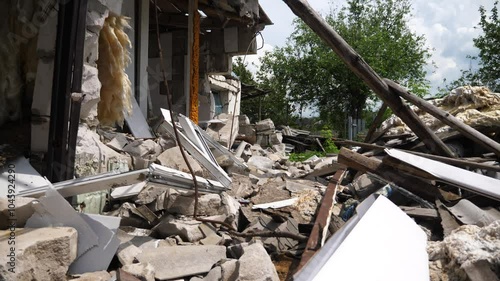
[(448, 26)]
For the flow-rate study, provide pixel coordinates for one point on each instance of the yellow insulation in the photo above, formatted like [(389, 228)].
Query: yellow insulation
[(114, 57)]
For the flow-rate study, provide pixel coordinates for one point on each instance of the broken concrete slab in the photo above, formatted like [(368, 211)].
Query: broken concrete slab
[(150, 193), (241, 186), (260, 163), (53, 209), (215, 274), (93, 276), (364, 185), (127, 252), (256, 265), (222, 132), (187, 229), (19, 212), (38, 253), (265, 125), (143, 271), (128, 190), (146, 149), (188, 261), (211, 237), (118, 142), (172, 158), (208, 205)]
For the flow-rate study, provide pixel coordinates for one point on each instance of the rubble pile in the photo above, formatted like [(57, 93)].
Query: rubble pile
[(253, 214)]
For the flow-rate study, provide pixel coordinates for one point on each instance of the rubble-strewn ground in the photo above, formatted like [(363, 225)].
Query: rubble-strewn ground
[(265, 226)]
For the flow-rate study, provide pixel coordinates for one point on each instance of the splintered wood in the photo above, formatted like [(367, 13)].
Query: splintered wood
[(114, 57)]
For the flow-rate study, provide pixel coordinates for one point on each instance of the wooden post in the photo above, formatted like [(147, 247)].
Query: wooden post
[(356, 63), (365, 164), (446, 118), (376, 123), (462, 163)]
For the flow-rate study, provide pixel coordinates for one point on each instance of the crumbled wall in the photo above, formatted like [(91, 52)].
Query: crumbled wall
[(475, 106), (114, 57)]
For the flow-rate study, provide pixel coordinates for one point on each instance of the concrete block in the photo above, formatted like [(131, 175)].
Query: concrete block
[(40, 253), (256, 265), (143, 271), (182, 261), (187, 229)]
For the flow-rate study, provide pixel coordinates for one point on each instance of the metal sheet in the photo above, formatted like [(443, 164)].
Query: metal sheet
[(468, 180), (379, 243), (192, 148), (137, 123)]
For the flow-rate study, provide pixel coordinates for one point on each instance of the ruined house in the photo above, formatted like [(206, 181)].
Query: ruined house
[(73, 65)]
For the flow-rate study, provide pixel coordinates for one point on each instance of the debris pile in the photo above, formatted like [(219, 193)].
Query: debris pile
[(253, 214)]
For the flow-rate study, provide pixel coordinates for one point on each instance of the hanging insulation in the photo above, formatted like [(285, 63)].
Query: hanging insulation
[(114, 57)]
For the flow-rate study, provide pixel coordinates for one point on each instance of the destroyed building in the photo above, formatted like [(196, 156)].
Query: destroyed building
[(140, 188)]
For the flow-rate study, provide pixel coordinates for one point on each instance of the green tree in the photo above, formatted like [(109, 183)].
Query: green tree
[(488, 59), (273, 105), (311, 74)]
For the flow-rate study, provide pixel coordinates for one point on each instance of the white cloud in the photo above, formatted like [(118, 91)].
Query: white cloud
[(447, 26)]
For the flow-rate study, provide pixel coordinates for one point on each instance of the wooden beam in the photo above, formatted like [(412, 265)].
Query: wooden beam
[(318, 232), (365, 164), (356, 63), (376, 123), (423, 213), (446, 118), (462, 163)]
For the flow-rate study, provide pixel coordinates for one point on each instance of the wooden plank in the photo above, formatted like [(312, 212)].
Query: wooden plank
[(417, 212), (376, 123), (356, 63), (318, 233), (365, 164), (446, 118), (463, 163)]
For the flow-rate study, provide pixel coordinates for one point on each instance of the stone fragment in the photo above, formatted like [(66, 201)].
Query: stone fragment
[(40, 253), (221, 132), (172, 158), (21, 212), (127, 252), (91, 89), (265, 125), (208, 205), (181, 261), (363, 186), (187, 229), (93, 276), (143, 271), (229, 270), (215, 274), (241, 186), (211, 237), (146, 149), (260, 163), (256, 265), (88, 147), (149, 193)]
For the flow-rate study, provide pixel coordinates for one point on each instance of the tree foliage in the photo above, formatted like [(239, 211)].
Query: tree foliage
[(488, 72), (305, 72)]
